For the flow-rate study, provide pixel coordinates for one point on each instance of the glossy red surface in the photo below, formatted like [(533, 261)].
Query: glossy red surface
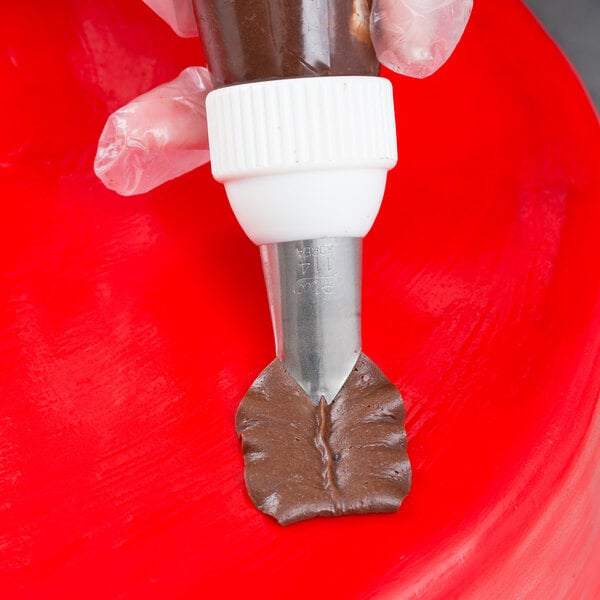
[(130, 329)]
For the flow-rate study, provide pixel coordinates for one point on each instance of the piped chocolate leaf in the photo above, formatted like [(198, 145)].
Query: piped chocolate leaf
[(305, 460)]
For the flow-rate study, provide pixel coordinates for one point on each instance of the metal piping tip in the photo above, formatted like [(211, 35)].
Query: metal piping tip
[(314, 289)]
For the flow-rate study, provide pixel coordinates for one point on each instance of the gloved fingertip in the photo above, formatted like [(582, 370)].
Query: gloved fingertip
[(109, 155), (416, 37), (179, 14), (158, 136)]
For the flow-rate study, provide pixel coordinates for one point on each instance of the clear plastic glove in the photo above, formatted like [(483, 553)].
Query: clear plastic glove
[(156, 137), (162, 134), (416, 37)]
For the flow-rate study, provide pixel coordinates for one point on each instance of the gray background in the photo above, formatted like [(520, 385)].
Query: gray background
[(575, 26)]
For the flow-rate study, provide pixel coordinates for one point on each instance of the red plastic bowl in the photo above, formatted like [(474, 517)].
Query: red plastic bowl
[(131, 328)]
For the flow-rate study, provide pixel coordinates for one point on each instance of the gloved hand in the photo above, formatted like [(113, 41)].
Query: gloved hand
[(162, 133)]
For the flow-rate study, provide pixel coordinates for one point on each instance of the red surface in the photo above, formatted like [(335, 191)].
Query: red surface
[(132, 327)]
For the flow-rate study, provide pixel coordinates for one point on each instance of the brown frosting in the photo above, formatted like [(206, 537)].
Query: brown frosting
[(257, 40), (304, 460)]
